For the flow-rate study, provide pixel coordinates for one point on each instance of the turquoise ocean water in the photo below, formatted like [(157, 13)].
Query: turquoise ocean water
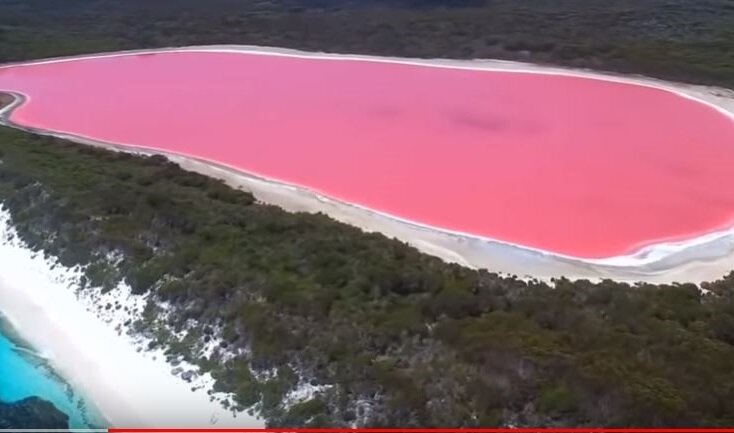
[(23, 373)]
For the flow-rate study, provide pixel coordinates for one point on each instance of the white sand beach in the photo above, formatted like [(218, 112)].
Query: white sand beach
[(129, 387)]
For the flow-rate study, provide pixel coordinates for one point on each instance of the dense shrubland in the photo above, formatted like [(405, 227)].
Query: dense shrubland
[(387, 335), (677, 39)]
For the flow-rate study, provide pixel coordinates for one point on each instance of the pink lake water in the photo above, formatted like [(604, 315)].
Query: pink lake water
[(576, 166)]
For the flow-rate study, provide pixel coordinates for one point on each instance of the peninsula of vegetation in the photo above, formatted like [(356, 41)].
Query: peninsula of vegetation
[(306, 321), (31, 413)]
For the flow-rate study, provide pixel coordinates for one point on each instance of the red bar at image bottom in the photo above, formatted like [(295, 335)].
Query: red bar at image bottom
[(427, 430)]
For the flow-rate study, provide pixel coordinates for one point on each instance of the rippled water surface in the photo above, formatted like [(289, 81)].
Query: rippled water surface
[(23, 373)]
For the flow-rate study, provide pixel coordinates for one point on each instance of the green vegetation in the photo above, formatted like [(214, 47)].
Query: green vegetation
[(32, 413), (385, 334), (676, 39), (5, 99)]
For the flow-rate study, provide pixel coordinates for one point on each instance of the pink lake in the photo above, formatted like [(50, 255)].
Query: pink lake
[(576, 166)]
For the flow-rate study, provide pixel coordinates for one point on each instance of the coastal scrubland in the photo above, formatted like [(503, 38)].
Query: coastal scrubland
[(380, 333), (671, 39), (5, 100)]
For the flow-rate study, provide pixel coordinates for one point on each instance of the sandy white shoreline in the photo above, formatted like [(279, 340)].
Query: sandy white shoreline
[(697, 259), (129, 387)]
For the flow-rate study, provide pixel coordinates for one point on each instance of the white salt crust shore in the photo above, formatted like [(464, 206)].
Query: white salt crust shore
[(87, 344), (698, 259)]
